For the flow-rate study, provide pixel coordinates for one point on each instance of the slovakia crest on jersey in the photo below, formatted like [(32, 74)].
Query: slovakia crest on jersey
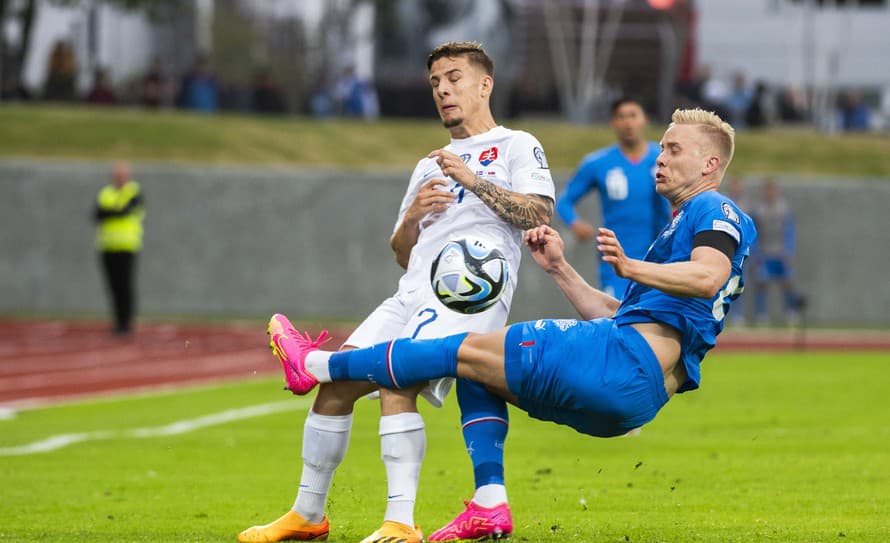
[(488, 156)]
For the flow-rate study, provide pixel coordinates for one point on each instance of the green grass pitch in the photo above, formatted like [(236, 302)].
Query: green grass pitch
[(786, 448)]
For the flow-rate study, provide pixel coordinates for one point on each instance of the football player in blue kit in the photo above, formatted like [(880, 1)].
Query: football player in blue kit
[(616, 369), (624, 176)]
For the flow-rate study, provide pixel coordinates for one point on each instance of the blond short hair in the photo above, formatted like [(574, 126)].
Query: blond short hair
[(718, 131), (472, 50)]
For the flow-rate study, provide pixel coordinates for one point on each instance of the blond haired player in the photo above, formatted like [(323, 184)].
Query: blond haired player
[(614, 372)]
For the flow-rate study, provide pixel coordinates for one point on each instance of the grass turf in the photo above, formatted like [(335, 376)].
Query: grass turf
[(102, 134), (790, 447)]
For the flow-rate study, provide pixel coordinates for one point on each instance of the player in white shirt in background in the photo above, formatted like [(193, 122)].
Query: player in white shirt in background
[(489, 182)]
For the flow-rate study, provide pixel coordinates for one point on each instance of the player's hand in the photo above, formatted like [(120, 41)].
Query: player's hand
[(429, 199), (612, 252), (583, 230), (455, 168), (546, 247)]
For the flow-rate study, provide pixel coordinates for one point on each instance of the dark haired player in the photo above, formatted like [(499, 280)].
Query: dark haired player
[(624, 176)]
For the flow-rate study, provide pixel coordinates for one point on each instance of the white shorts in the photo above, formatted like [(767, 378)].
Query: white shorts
[(420, 315)]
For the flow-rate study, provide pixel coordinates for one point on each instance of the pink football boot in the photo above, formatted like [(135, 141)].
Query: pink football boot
[(291, 348), (477, 523)]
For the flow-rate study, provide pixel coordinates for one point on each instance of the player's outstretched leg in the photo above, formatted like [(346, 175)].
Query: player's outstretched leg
[(291, 348), (397, 364), (290, 527), (484, 420)]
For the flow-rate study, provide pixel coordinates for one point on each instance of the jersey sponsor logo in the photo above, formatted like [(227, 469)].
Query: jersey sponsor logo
[(466, 157), (541, 158), (488, 156), (616, 184), (723, 226), (730, 213)]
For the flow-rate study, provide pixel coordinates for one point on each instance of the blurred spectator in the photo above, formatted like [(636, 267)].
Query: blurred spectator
[(355, 96), (320, 102), (854, 115), (199, 89), (102, 93), (792, 105), (118, 213), (267, 96), (773, 257), (757, 114), (62, 72), (738, 100), (155, 86), (735, 189)]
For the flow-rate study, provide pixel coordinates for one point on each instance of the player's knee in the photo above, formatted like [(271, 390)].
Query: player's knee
[(404, 400), (338, 398)]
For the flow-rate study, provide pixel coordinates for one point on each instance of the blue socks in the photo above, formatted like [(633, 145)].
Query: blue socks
[(485, 422), (399, 363)]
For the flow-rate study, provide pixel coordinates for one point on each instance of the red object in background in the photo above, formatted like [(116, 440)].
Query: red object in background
[(662, 4)]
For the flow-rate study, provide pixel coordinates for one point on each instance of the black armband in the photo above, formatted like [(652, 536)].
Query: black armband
[(716, 239)]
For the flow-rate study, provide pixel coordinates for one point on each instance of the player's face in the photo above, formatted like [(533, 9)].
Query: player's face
[(460, 90), (682, 163), (628, 123)]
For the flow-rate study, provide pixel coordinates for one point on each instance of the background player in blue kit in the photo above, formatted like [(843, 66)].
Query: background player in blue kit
[(624, 176), (610, 374)]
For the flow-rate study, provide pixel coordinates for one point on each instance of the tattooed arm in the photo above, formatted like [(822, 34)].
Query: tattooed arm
[(523, 211)]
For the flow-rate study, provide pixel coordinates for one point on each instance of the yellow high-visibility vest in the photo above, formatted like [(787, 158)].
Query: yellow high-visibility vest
[(122, 233)]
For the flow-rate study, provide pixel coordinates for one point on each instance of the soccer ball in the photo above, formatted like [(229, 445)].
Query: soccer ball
[(469, 275)]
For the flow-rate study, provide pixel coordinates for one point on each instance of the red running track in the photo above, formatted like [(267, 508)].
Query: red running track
[(51, 361)]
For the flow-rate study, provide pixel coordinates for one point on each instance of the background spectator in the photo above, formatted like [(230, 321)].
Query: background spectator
[(854, 115), (774, 254), (155, 86), (738, 100), (267, 96), (102, 92), (199, 89), (757, 114), (62, 72)]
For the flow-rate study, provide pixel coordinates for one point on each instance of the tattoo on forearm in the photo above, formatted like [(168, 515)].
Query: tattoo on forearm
[(521, 210)]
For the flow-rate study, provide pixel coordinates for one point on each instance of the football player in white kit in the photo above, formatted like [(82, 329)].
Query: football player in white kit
[(489, 182)]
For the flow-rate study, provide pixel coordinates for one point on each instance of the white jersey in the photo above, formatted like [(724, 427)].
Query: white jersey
[(511, 159)]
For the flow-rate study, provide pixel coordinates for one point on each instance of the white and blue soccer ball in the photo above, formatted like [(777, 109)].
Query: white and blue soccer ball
[(469, 275)]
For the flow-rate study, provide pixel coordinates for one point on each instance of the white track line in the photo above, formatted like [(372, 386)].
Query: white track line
[(56, 442)]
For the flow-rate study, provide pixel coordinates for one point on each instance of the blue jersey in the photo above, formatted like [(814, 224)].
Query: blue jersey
[(630, 205), (628, 200), (698, 319)]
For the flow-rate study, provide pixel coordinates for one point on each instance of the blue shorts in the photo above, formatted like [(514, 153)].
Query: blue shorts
[(774, 268), (595, 376)]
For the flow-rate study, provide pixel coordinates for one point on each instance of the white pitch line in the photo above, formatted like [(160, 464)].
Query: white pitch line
[(59, 441)]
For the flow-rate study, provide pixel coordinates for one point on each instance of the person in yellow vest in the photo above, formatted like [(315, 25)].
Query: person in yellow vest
[(118, 214)]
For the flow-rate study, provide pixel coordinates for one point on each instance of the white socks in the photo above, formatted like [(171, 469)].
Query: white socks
[(317, 365), (325, 439), (402, 446), (490, 495)]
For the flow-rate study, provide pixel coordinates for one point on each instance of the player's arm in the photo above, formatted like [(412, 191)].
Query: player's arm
[(701, 276), (519, 209), (547, 247), (429, 199), (578, 186)]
